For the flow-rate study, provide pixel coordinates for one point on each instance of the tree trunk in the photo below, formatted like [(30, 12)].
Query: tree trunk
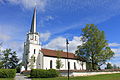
[(92, 63)]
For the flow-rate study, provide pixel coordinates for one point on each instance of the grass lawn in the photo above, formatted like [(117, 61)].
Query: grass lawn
[(96, 77), (6, 79)]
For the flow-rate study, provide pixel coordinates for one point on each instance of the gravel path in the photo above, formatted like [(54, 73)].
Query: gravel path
[(21, 77)]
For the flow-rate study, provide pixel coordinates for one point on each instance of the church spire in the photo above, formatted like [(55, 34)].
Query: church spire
[(33, 25)]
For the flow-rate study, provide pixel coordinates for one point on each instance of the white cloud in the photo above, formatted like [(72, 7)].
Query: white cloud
[(116, 50), (15, 46), (114, 44), (45, 36), (49, 18), (117, 55), (74, 43), (4, 37), (28, 4), (59, 43)]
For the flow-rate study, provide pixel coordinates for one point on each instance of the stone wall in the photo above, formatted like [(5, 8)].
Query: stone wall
[(86, 73)]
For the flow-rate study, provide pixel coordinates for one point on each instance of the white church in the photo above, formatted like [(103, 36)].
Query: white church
[(46, 58)]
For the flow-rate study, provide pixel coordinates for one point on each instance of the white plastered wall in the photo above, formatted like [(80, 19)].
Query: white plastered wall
[(46, 63)]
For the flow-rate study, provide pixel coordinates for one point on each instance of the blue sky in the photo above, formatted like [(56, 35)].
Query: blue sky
[(57, 20)]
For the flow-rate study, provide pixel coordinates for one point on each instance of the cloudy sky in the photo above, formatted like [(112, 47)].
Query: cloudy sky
[(58, 20)]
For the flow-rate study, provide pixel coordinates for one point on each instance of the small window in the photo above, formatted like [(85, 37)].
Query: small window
[(74, 65), (82, 65), (50, 64), (34, 59), (69, 65), (35, 38), (34, 51)]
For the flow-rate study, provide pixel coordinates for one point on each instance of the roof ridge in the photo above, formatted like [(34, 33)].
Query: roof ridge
[(57, 50)]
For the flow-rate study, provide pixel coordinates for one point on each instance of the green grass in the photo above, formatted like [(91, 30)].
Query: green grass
[(6, 79), (96, 77)]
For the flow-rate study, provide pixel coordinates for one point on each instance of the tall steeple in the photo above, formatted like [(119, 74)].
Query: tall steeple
[(33, 25)]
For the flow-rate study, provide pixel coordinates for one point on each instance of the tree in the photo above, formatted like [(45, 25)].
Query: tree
[(94, 47), (58, 62), (109, 66), (1, 64), (31, 62), (13, 60), (115, 66), (6, 59), (9, 59), (19, 66)]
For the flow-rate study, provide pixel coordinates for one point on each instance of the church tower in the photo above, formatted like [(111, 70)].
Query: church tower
[(32, 57)]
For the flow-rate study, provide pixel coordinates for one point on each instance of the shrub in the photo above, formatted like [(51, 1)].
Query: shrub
[(41, 73), (53, 73), (7, 73)]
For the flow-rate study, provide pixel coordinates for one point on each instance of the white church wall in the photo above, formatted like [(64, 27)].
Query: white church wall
[(84, 65), (46, 64), (37, 51)]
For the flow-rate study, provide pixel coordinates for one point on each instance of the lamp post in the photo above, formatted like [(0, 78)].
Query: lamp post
[(67, 56)]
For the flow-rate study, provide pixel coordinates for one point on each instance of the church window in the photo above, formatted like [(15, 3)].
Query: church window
[(74, 65), (34, 59), (50, 64), (35, 38), (69, 65), (34, 51), (82, 65)]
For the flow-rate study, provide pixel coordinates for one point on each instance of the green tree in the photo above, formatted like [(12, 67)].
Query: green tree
[(13, 60), (59, 64), (94, 47), (18, 68), (1, 64), (115, 66), (109, 66), (58, 61), (6, 58), (9, 59), (31, 62)]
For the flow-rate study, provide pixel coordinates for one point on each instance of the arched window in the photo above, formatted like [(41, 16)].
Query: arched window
[(50, 64), (74, 65), (35, 38), (34, 51), (69, 65), (34, 59), (82, 65)]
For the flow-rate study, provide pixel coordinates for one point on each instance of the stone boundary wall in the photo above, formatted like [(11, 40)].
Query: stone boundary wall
[(86, 73)]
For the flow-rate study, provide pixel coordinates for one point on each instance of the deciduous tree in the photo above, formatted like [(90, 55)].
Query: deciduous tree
[(109, 66), (94, 46), (58, 62)]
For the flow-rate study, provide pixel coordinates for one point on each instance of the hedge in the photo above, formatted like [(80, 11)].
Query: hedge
[(7, 73), (41, 73)]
